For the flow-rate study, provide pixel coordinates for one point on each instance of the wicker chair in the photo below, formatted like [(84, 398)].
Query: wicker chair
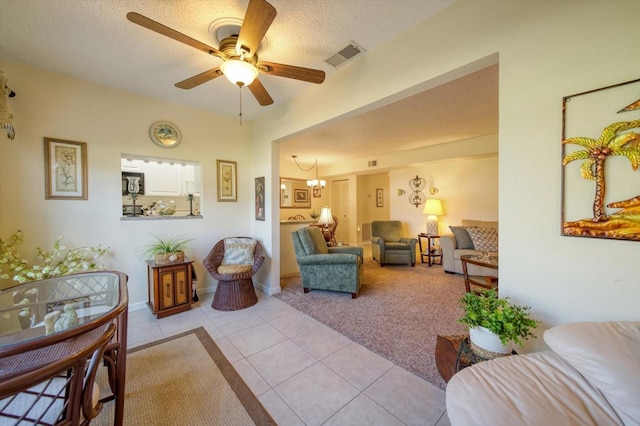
[(235, 290)]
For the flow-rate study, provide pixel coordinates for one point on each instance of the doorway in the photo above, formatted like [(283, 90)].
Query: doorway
[(340, 209)]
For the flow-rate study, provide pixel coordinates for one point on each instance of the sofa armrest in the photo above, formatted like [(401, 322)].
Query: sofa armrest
[(448, 245)]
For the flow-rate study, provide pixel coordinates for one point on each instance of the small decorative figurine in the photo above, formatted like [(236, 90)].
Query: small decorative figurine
[(68, 319)]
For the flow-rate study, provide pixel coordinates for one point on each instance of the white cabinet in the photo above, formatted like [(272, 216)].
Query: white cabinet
[(165, 178)]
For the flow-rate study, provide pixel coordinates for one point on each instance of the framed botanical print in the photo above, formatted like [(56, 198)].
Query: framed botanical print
[(227, 180), (65, 165)]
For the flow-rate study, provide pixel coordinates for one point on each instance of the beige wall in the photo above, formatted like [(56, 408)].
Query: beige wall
[(111, 123), (546, 50)]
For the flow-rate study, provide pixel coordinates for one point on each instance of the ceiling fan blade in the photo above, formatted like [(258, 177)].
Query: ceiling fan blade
[(257, 21), (290, 71), (197, 80), (260, 93), (148, 23)]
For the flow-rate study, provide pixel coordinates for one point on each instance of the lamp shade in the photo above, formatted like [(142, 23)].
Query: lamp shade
[(432, 206), (239, 72), (325, 216)]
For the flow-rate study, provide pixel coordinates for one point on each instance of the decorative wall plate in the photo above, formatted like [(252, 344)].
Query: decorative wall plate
[(164, 134)]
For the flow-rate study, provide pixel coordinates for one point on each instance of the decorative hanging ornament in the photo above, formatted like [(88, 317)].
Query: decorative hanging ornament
[(6, 117), (416, 185)]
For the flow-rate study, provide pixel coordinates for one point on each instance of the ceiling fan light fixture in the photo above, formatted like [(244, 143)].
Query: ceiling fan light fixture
[(239, 72)]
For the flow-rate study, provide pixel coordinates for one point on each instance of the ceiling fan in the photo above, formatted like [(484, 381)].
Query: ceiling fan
[(239, 53)]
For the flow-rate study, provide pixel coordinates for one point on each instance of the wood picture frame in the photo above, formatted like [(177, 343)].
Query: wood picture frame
[(259, 185), (379, 197), (300, 195), (227, 180), (65, 170)]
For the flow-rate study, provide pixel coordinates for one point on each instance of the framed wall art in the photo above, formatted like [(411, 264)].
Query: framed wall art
[(227, 180), (65, 176), (600, 160), (301, 195), (379, 197), (260, 198)]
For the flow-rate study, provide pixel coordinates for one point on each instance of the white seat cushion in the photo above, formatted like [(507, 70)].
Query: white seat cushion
[(534, 389)]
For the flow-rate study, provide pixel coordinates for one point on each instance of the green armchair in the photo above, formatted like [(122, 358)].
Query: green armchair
[(327, 268), (388, 244)]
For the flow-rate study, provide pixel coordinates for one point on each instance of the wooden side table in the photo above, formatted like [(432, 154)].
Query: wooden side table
[(431, 252), (453, 353)]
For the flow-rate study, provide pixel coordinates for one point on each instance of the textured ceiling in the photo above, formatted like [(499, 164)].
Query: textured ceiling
[(461, 109), (92, 40)]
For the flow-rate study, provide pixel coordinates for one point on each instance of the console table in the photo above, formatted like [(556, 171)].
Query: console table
[(29, 343)]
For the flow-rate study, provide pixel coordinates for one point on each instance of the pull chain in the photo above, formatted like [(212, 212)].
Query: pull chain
[(240, 115)]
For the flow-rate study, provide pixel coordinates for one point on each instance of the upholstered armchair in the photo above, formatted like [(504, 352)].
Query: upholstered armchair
[(389, 245), (327, 268)]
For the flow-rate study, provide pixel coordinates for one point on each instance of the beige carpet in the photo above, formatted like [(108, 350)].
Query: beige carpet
[(184, 380), (398, 314)]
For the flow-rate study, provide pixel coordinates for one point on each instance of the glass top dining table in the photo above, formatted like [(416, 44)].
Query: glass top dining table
[(40, 321)]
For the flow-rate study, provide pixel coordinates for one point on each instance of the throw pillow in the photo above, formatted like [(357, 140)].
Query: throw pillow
[(606, 354), (484, 239), (238, 251), (463, 240)]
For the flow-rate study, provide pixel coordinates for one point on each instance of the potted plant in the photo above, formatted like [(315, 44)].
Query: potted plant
[(495, 322), (167, 248)]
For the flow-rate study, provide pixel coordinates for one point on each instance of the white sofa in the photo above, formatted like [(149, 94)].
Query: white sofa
[(591, 376), (452, 250)]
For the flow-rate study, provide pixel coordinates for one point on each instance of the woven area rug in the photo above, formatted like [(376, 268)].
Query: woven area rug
[(398, 313), (184, 380)]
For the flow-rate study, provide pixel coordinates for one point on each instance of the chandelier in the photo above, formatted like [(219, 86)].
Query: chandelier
[(311, 183)]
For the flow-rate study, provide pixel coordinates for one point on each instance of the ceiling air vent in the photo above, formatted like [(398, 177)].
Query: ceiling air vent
[(373, 163), (345, 54)]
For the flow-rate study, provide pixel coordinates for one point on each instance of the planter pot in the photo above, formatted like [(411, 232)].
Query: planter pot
[(486, 343), (169, 257)]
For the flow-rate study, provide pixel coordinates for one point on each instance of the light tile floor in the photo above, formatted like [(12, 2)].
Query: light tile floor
[(303, 372)]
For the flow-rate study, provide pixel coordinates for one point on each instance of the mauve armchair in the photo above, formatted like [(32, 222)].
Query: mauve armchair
[(389, 245), (327, 268)]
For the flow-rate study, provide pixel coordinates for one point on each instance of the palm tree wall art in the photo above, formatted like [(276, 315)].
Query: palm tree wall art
[(617, 218)]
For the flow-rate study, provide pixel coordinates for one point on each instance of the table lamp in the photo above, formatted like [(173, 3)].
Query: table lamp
[(432, 208), (326, 218)]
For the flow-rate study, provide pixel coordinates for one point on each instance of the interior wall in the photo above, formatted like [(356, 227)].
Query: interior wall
[(368, 210), (547, 50), (111, 123), (468, 189)]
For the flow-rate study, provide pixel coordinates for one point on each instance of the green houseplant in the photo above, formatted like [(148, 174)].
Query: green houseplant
[(166, 248), (509, 322)]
